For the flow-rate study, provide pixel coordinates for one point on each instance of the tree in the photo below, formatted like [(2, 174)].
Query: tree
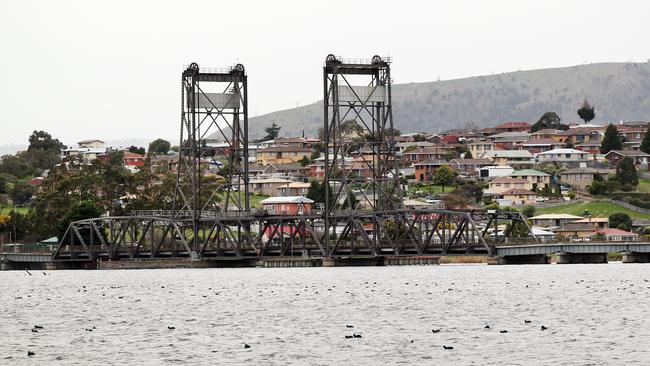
[(81, 211), (350, 129), (15, 166), (41, 140), (5, 179), (468, 155), (159, 146), (116, 158), (626, 173), (611, 140), (21, 193), (549, 120), (586, 111), (528, 211), (272, 132), (304, 161), (620, 220), (137, 150), (645, 144), (316, 192), (444, 176)]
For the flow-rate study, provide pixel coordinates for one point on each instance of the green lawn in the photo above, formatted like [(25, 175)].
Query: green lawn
[(596, 208), (8, 210), (429, 189), (644, 185), (254, 199)]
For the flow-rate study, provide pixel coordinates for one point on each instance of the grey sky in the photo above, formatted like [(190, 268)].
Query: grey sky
[(111, 69)]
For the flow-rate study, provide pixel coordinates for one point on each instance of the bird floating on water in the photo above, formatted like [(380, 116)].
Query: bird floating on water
[(543, 328), (447, 347), (503, 331), (30, 353), (435, 330)]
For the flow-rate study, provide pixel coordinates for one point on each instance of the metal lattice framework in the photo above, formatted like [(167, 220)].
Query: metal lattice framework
[(367, 108), (215, 105), (211, 217)]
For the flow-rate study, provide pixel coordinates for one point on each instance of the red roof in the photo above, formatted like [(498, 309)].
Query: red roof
[(613, 231), (513, 125), (449, 138)]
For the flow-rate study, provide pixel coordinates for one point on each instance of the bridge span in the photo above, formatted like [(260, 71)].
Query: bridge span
[(579, 252)]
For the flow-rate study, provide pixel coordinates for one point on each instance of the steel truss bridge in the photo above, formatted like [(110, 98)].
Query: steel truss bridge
[(213, 219), (229, 235)]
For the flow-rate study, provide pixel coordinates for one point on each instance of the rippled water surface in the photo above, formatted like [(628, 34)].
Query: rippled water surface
[(595, 314)]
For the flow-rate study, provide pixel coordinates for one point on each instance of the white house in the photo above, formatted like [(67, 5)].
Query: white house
[(563, 156)]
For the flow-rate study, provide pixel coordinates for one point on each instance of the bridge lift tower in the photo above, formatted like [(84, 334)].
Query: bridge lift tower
[(214, 109), (358, 120)]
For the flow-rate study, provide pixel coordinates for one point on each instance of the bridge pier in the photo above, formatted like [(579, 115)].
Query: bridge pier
[(519, 259), (572, 258), (635, 257), (5, 266)]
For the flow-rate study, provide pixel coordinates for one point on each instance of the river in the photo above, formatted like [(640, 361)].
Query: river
[(594, 314)]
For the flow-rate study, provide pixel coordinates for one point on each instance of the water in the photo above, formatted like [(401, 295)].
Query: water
[(595, 314)]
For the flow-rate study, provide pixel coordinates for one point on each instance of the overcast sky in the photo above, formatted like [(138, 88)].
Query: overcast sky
[(111, 69)]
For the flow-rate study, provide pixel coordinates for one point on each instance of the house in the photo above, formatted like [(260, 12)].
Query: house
[(581, 134), (425, 170), (538, 145), (164, 164), (553, 220), (267, 186), (501, 184), (293, 189), (133, 159), (581, 178), (514, 158), (469, 167), (492, 171), (591, 147), (537, 179), (545, 133), (516, 196), (289, 170), (616, 235), (412, 145), (563, 156), (542, 235), (639, 157), (422, 154), (507, 140), (513, 127), (477, 148), (599, 223), (92, 144), (575, 230), (288, 205), (282, 154)]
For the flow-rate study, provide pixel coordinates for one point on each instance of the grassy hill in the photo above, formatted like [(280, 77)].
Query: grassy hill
[(619, 91)]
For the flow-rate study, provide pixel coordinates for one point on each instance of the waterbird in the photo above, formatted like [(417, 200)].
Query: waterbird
[(348, 337), (38, 326), (171, 328), (356, 335), (447, 347), (503, 331), (349, 326), (247, 346), (486, 327), (543, 328), (526, 321), (435, 330), (30, 353), (88, 330), (34, 330)]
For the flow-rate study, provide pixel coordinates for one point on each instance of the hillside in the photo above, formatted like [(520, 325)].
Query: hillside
[(620, 91)]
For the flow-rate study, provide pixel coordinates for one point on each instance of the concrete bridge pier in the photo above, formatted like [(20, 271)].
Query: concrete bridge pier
[(519, 259), (5, 266), (635, 257), (571, 258)]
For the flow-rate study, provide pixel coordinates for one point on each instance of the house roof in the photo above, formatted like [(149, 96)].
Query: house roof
[(540, 142), (556, 217), (511, 134), (613, 232), (89, 141), (518, 191), (581, 170), (592, 220), (286, 199), (628, 153), (512, 125), (508, 154), (471, 161), (285, 149), (562, 151), (529, 172)]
